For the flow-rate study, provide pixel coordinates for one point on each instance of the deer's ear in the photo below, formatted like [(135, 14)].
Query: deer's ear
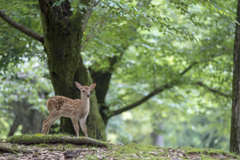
[(93, 86), (79, 86)]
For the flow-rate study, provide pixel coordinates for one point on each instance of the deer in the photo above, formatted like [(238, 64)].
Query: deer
[(76, 109)]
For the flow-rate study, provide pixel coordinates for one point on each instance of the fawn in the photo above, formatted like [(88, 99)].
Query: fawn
[(75, 109)]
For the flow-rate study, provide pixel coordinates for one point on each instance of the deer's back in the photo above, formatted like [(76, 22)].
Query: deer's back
[(61, 102)]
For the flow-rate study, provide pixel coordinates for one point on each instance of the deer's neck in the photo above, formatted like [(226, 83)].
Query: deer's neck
[(85, 101)]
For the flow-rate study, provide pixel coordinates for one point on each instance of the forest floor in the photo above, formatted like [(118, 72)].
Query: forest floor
[(110, 152)]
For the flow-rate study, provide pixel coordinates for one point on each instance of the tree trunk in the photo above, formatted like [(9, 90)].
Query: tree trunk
[(102, 78), (235, 124), (157, 138), (62, 42), (30, 119)]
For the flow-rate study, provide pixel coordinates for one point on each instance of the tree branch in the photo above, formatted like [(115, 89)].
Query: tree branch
[(135, 104), (89, 36), (188, 68), (151, 94), (88, 14), (214, 90), (22, 28)]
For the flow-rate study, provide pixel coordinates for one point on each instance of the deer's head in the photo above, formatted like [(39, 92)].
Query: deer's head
[(85, 90)]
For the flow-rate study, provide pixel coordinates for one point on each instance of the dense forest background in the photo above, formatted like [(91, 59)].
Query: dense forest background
[(167, 66)]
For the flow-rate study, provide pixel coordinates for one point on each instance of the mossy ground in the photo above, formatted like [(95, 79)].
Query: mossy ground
[(129, 151)]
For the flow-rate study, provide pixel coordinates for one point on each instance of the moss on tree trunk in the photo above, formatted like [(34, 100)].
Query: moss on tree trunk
[(62, 41)]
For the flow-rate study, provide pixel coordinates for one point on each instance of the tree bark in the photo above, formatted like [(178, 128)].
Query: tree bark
[(235, 123), (62, 41)]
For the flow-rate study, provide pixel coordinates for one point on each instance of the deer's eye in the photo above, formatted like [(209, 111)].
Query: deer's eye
[(83, 90)]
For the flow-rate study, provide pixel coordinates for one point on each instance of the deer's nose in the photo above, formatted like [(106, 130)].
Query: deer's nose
[(88, 95)]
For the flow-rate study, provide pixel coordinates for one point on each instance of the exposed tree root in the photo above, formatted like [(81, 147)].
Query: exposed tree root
[(5, 149), (52, 139)]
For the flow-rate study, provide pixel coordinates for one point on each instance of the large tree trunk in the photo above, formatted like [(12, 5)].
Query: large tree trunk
[(62, 41), (235, 124)]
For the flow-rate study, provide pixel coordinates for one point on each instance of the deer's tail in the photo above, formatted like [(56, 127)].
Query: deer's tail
[(48, 104)]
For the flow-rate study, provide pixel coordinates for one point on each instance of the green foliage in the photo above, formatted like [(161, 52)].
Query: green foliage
[(57, 3), (17, 47), (19, 83), (186, 110), (4, 129), (22, 88)]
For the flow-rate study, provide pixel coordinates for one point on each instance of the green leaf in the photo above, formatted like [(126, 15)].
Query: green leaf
[(57, 3), (82, 6)]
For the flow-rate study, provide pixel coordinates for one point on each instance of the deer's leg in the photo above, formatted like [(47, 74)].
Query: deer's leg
[(43, 127), (51, 120), (75, 124), (44, 124), (83, 126), (46, 120)]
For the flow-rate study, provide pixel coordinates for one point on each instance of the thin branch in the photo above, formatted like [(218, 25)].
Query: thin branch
[(214, 90), (22, 28), (144, 99), (88, 14), (101, 26), (188, 68), (151, 94), (87, 39)]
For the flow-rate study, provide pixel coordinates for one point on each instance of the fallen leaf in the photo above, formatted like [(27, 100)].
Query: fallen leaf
[(120, 144), (99, 157), (154, 153), (71, 154), (135, 155)]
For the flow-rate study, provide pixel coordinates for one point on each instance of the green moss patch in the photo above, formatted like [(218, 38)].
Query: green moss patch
[(52, 139), (42, 145), (210, 153), (136, 151)]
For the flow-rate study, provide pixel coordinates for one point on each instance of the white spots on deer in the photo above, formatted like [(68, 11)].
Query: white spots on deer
[(59, 102)]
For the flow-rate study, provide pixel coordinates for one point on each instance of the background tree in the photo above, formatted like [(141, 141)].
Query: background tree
[(234, 138), (23, 95)]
